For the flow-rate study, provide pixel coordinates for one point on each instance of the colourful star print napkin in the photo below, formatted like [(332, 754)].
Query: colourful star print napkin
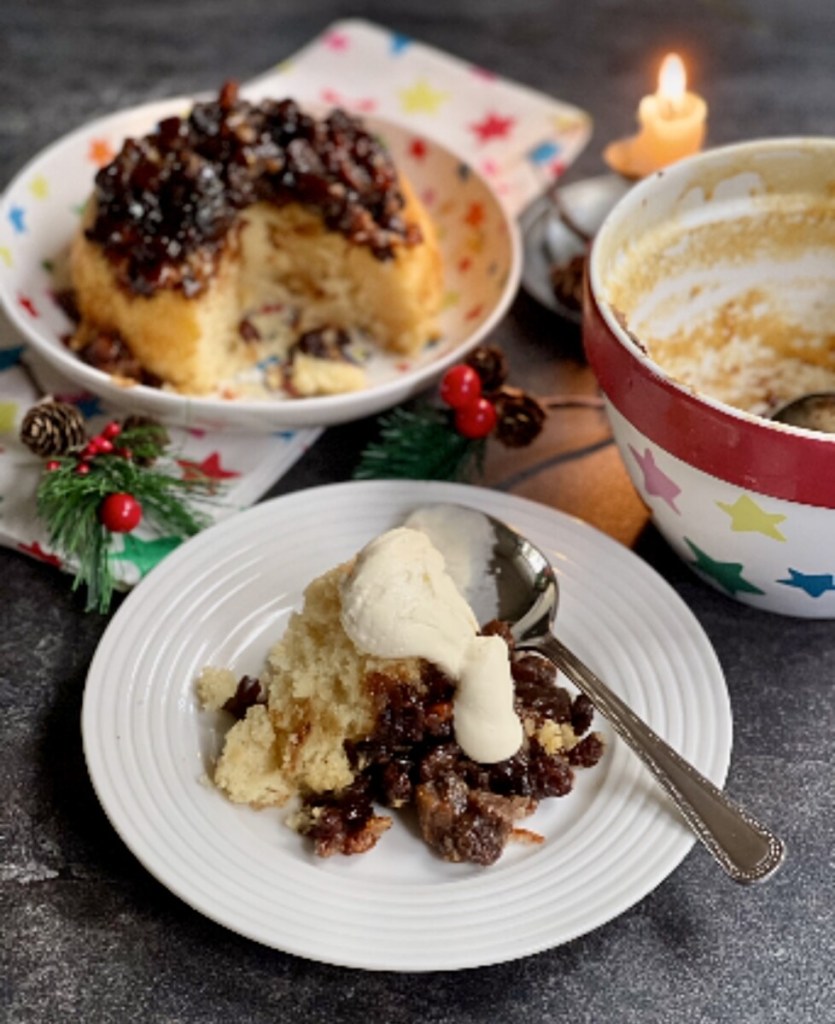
[(518, 139), (244, 466)]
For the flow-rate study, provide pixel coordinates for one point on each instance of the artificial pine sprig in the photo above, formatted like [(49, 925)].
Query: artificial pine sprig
[(71, 492), (74, 529), (425, 442), (145, 440), (420, 444)]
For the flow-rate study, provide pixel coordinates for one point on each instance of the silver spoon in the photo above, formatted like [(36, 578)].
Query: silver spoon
[(527, 599), (814, 411)]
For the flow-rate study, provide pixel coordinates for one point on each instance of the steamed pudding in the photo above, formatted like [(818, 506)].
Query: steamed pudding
[(220, 239), (384, 691)]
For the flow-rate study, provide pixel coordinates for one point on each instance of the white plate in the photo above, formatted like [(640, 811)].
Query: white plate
[(224, 598), (479, 241)]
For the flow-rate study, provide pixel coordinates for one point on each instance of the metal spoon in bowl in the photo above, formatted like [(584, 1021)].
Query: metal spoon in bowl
[(814, 411), (527, 599)]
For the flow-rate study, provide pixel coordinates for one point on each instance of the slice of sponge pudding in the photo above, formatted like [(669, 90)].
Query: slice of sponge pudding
[(384, 692)]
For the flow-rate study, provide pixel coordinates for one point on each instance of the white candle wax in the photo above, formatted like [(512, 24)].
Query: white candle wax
[(672, 125)]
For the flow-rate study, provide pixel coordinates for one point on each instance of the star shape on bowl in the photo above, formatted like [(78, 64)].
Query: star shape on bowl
[(748, 517), (815, 585), (656, 482), (727, 574)]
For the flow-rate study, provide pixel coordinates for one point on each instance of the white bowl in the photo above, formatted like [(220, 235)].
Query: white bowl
[(40, 212), (717, 256)]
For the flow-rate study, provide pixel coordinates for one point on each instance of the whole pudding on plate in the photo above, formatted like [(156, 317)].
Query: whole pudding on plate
[(383, 690), (241, 233)]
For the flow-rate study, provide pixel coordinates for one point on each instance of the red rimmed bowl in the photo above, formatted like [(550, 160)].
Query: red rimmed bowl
[(710, 300)]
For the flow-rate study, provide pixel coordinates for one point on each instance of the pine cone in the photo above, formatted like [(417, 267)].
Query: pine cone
[(490, 364), (159, 433), (157, 438), (51, 428), (519, 417)]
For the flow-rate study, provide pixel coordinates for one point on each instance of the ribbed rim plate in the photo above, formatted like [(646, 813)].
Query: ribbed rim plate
[(224, 597)]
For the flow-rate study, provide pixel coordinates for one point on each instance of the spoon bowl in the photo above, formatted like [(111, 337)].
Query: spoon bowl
[(526, 596), (814, 411)]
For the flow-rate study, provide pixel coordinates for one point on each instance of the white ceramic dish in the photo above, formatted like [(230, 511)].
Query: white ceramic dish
[(711, 301), (40, 210), (224, 598)]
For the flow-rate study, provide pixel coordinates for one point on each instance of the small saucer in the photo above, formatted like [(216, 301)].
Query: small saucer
[(558, 226)]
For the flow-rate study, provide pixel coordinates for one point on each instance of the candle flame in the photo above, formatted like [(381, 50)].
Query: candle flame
[(672, 80)]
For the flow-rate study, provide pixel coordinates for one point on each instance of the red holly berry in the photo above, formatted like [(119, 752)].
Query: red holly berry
[(83, 468), (104, 446), (476, 419), (120, 512), (113, 429), (460, 386), (52, 465)]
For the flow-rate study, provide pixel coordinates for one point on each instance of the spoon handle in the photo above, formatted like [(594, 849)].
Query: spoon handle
[(747, 850)]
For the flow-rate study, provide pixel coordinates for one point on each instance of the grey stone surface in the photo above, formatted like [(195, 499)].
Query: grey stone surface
[(88, 935)]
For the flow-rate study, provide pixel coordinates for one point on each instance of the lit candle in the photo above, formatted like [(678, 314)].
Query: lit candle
[(672, 123)]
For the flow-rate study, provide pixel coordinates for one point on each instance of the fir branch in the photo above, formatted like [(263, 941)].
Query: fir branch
[(68, 503), (420, 444), (146, 441), (160, 494)]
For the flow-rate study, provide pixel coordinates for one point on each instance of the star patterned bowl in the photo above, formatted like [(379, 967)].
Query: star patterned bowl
[(710, 300), (40, 212)]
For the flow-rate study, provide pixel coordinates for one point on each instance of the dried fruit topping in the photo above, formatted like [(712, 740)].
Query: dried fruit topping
[(342, 822), (106, 350), (587, 752), (165, 204), (582, 712), (249, 692), (466, 811), (324, 343)]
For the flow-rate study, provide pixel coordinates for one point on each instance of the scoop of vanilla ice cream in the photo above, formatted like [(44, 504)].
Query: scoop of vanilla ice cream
[(398, 601)]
